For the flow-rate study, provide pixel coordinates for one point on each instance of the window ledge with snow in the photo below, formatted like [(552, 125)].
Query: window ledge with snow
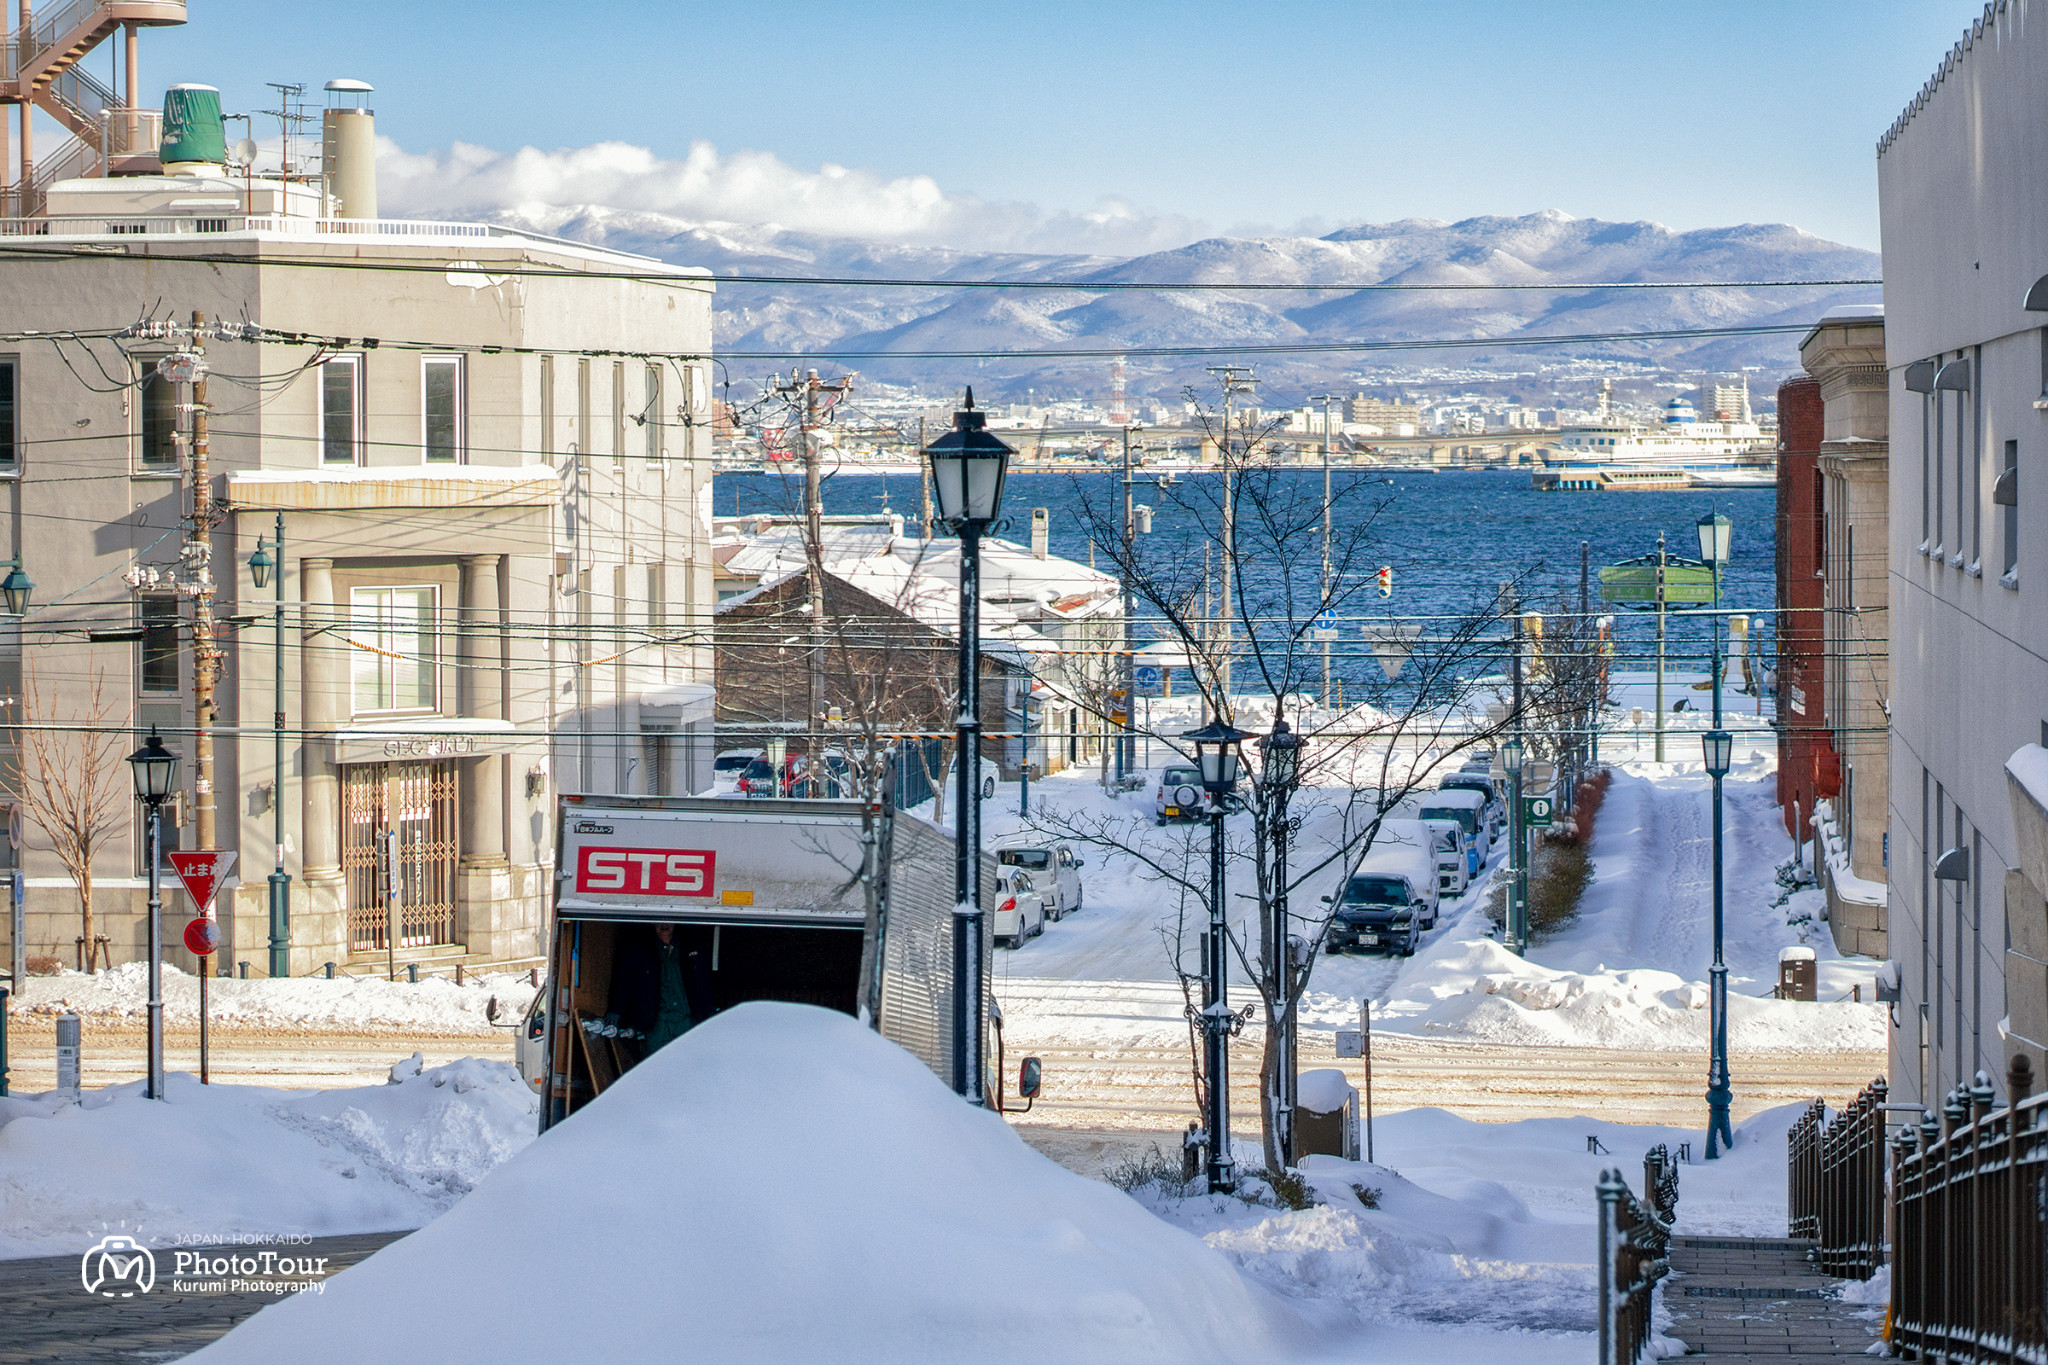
[(1834, 844)]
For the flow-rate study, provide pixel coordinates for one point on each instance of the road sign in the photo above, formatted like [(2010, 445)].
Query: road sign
[(1147, 680), (202, 936), (202, 870), (1393, 641), (15, 829), (1536, 812), (1633, 582)]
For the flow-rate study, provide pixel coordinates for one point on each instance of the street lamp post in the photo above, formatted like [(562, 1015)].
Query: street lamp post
[(968, 464), (1217, 752), (1714, 533), (261, 568), (155, 770), (1280, 771), (1511, 756)]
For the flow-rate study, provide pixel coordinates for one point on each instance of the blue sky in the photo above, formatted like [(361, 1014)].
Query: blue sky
[(1179, 118)]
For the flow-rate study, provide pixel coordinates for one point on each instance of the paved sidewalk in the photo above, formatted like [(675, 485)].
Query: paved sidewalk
[(1759, 1298), (49, 1317)]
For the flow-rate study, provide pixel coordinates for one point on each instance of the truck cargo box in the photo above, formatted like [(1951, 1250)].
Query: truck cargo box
[(766, 901)]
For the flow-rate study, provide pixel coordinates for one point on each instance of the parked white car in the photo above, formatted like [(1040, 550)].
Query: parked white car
[(1468, 808), (991, 773), (1177, 794), (1020, 906), (1448, 846), (1406, 837), (1054, 868), (1479, 780), (727, 768)]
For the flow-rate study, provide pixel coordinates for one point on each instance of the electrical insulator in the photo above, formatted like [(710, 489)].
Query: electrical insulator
[(1386, 581)]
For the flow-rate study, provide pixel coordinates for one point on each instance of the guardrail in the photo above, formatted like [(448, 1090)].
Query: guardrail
[(1635, 1246), (1968, 1260), (1834, 1184)]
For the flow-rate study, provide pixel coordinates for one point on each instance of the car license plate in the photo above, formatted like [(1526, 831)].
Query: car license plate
[(1173, 810), (1368, 938)]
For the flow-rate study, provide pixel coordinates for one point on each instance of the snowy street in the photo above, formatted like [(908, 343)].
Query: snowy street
[(1501, 1088)]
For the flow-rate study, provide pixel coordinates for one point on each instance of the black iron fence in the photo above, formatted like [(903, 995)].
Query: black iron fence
[(1635, 1243), (1968, 1191), (1834, 1184)]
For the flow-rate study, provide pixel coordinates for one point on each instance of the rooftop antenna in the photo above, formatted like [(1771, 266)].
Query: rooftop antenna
[(290, 113)]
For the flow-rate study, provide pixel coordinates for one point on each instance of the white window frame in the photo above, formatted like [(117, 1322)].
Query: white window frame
[(371, 638), (458, 364), (354, 364)]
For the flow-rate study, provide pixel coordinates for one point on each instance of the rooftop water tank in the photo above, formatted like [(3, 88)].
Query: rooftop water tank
[(348, 147), (195, 140)]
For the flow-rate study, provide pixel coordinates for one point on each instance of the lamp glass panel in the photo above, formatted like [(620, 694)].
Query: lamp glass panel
[(949, 492), (1715, 532), (984, 485), (1226, 775), (1211, 759)]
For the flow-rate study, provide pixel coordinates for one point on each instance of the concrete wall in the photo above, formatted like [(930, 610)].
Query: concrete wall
[(1963, 187)]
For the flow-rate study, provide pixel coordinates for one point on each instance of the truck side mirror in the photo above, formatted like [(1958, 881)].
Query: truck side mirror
[(1029, 1078)]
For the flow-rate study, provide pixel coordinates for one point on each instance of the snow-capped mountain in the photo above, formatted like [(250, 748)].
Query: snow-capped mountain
[(1539, 248)]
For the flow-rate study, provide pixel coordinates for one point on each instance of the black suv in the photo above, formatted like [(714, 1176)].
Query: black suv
[(1378, 910)]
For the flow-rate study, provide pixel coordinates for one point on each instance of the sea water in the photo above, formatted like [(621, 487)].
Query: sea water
[(1450, 539)]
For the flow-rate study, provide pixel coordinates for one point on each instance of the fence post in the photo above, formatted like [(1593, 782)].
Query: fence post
[(1610, 1189)]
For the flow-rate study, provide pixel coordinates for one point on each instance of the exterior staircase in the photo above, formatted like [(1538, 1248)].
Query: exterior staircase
[(40, 66)]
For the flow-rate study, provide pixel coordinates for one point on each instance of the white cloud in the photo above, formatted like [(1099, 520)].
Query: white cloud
[(754, 189)]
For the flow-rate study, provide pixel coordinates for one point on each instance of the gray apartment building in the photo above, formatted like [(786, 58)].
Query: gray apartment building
[(1963, 187), (490, 455)]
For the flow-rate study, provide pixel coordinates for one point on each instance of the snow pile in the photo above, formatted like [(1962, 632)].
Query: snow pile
[(219, 1160), (1470, 987), (358, 1004), (1473, 1240), (782, 1185)]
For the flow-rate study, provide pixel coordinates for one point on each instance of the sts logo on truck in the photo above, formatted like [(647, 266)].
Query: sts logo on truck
[(645, 871)]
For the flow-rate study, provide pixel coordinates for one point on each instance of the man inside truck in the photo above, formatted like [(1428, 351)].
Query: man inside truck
[(659, 990)]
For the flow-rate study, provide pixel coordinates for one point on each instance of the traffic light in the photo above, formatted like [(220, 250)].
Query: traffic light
[(1386, 581)]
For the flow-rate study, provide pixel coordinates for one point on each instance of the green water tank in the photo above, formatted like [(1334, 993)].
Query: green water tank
[(194, 135)]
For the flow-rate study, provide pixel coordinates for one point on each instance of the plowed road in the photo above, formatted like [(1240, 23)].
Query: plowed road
[(1135, 1089)]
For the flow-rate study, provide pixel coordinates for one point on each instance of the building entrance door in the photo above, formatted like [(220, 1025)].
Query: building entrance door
[(415, 804)]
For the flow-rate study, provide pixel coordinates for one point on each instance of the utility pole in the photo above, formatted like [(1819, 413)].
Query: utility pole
[(1661, 560), (1323, 602), (1126, 674), (924, 486), (1518, 852), (197, 554), (802, 394), (1235, 379)]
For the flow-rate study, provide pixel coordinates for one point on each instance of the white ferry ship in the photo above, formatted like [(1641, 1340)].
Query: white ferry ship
[(1683, 452)]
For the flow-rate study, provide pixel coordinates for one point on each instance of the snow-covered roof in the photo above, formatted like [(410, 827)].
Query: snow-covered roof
[(781, 548)]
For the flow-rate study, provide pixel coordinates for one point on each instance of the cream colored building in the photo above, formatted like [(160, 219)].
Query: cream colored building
[(1845, 353), (491, 453), (1962, 196)]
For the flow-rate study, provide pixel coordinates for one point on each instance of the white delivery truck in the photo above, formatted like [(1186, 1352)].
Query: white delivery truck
[(760, 899)]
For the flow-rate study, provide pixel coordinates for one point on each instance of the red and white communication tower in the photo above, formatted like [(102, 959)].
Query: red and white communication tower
[(1119, 403)]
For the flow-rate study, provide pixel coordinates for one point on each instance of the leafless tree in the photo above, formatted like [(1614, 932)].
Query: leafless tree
[(1249, 541), (72, 787)]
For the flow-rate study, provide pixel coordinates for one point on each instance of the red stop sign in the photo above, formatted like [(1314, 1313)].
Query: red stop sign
[(202, 936)]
